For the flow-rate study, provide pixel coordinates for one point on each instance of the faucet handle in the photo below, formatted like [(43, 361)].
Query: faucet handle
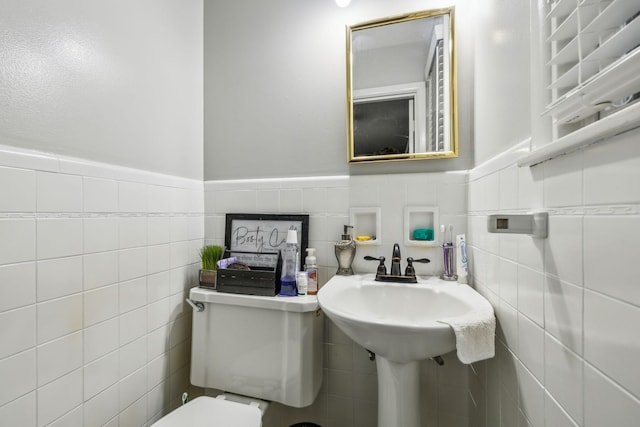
[(410, 270), (382, 270)]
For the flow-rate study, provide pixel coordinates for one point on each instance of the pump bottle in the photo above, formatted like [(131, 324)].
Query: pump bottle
[(345, 251)]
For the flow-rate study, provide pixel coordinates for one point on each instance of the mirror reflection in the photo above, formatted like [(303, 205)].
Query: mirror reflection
[(401, 88)]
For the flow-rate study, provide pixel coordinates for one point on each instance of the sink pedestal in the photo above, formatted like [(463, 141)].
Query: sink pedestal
[(398, 393), (400, 324)]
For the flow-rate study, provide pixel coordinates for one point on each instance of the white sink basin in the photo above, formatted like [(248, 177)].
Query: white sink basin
[(398, 321)]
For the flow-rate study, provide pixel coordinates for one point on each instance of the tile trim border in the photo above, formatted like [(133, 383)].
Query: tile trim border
[(15, 157)]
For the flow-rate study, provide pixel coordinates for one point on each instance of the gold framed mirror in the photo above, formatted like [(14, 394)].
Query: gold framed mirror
[(402, 88)]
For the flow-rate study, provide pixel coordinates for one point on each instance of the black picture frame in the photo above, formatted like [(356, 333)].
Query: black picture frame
[(251, 232)]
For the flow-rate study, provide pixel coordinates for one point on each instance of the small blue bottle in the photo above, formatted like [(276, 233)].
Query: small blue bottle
[(289, 263)]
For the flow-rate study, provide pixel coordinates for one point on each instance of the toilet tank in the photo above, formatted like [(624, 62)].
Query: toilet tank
[(264, 347)]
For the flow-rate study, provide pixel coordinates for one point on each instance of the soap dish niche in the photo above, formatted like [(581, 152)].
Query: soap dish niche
[(366, 224), (421, 226)]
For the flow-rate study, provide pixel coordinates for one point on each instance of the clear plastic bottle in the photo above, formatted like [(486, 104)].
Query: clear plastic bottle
[(289, 265), (311, 267)]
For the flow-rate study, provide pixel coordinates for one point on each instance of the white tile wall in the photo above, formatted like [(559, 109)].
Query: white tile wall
[(569, 316), (59, 357), (59, 317), (59, 237), (531, 346), (611, 339), (59, 277), (17, 285), (19, 238), (59, 397), (554, 414), (99, 195), (20, 331), (100, 234), (531, 396), (101, 339), (20, 196), (76, 279), (58, 192), (103, 279), (101, 408), (21, 411), (349, 393), (601, 234), (563, 308), (606, 403), (100, 269)]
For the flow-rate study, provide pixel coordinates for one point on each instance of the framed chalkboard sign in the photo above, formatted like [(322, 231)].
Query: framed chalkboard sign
[(265, 232)]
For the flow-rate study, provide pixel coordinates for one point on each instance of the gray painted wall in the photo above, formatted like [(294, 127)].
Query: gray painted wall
[(123, 84), (118, 82), (275, 88)]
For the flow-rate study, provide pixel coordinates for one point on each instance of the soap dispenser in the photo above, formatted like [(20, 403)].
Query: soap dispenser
[(345, 251)]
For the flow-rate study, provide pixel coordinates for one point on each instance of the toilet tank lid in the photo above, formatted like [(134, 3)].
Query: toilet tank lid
[(205, 411), (298, 304)]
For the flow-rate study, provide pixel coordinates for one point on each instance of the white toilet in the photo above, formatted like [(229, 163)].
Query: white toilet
[(262, 348)]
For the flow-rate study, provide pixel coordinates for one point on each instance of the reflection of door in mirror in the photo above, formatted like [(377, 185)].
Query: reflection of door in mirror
[(389, 120), (384, 126), (401, 88)]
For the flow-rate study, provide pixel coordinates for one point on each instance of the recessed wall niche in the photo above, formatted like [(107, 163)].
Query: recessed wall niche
[(421, 225), (366, 223)]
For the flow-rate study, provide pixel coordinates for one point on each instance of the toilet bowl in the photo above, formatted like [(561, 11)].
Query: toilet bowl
[(257, 350), (205, 411)]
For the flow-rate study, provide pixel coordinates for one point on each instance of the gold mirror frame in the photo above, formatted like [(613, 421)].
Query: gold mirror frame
[(452, 119)]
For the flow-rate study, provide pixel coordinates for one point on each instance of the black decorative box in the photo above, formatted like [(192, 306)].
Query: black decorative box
[(262, 277)]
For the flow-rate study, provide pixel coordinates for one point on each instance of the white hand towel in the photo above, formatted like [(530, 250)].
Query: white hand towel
[(475, 335)]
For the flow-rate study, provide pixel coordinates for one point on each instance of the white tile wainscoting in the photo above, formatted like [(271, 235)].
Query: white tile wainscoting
[(95, 263), (93, 281), (567, 306), (348, 397)]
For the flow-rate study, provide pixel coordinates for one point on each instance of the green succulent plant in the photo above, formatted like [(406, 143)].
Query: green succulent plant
[(209, 255)]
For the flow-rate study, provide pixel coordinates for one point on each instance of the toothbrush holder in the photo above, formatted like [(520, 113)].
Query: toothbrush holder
[(447, 252)]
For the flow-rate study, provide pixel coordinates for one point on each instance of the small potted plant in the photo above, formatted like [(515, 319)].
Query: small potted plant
[(210, 255)]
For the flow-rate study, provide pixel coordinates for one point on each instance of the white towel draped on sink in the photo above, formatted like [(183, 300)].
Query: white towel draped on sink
[(475, 335)]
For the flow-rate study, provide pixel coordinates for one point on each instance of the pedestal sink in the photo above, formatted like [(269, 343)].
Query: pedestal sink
[(399, 322)]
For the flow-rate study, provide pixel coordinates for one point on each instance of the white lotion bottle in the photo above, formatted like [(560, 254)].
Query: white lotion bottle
[(302, 282)]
